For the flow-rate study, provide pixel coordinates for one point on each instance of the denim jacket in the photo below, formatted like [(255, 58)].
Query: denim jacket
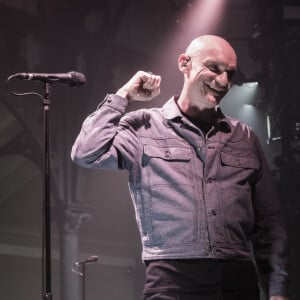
[(195, 195)]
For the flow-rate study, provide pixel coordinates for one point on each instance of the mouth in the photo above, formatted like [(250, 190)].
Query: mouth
[(215, 92)]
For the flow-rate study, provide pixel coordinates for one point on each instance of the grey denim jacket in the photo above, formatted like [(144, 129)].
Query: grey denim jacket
[(195, 196)]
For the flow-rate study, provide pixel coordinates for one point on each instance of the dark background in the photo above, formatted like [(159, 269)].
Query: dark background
[(109, 41)]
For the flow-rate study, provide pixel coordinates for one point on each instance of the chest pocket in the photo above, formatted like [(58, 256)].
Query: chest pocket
[(237, 171), (167, 165), (167, 153), (239, 161)]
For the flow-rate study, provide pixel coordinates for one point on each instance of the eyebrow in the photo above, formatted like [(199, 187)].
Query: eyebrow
[(218, 63)]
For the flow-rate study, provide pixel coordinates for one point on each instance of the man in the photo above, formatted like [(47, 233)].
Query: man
[(202, 192)]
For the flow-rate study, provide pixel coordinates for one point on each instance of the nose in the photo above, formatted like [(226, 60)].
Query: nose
[(222, 80)]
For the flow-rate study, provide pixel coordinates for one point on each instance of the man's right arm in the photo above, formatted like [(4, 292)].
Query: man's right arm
[(98, 133), (97, 144)]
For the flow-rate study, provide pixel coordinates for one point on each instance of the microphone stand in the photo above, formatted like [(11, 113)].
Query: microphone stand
[(83, 281), (46, 232), (81, 273), (72, 79), (46, 199), (82, 264)]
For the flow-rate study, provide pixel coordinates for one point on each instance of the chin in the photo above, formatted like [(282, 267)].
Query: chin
[(212, 101)]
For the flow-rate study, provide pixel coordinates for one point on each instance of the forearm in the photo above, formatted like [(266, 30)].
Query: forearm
[(270, 245)]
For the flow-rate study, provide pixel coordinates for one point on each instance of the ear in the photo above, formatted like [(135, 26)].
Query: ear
[(183, 63)]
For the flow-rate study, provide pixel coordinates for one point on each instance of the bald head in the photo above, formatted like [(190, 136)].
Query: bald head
[(208, 66), (207, 43)]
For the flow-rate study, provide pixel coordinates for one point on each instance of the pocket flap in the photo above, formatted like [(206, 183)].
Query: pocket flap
[(239, 161), (168, 153)]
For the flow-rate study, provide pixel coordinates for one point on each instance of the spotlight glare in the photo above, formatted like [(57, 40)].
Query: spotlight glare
[(204, 16), (250, 84)]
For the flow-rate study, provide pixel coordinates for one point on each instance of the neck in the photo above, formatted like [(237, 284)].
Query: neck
[(198, 111)]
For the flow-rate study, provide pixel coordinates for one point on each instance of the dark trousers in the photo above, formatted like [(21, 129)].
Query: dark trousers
[(201, 280), (241, 295)]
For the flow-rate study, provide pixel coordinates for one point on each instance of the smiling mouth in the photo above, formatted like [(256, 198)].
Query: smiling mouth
[(219, 93)]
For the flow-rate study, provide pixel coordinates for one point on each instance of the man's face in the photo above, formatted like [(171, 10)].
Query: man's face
[(211, 74)]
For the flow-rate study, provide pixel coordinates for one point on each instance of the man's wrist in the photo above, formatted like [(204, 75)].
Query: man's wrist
[(124, 94)]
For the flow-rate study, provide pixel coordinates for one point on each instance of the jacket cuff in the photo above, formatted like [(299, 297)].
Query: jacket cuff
[(114, 101), (279, 289)]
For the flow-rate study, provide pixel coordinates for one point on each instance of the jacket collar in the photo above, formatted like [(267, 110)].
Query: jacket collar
[(171, 111)]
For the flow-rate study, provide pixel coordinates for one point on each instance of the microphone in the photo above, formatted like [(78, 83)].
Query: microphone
[(88, 260), (71, 78)]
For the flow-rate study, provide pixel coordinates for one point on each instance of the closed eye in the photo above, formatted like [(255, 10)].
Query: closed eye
[(217, 69), (214, 68)]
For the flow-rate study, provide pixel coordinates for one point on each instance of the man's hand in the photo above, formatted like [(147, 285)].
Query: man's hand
[(142, 86), (279, 298)]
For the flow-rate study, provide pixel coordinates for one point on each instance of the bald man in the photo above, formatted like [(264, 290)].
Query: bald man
[(209, 219)]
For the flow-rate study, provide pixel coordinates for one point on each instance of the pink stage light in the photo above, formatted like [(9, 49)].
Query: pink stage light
[(202, 17)]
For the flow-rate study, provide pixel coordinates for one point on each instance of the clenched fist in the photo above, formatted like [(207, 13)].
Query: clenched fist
[(143, 86)]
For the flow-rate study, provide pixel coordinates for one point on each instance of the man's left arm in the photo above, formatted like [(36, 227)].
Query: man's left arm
[(270, 241)]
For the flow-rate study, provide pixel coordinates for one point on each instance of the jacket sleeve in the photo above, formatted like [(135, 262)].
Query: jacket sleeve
[(270, 241), (106, 139)]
